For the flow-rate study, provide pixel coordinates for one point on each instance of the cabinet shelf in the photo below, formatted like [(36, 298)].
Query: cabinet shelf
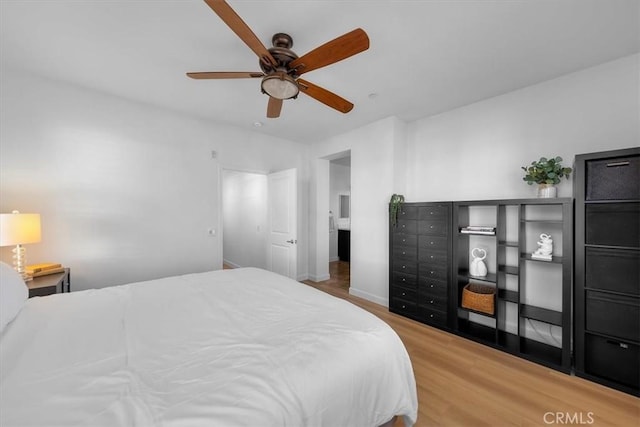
[(508, 244), (554, 259), (509, 296), (476, 331), (542, 353), (541, 314), (479, 313), (541, 221), (509, 269), (489, 278)]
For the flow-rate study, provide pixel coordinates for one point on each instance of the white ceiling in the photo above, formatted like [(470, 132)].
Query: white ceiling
[(426, 56)]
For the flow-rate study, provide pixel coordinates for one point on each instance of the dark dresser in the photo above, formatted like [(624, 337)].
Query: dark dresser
[(607, 268), (420, 263)]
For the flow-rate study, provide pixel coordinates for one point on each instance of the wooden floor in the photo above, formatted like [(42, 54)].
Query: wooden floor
[(462, 383)]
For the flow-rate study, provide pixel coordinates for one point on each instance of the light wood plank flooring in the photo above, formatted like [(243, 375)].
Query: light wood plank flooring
[(463, 383)]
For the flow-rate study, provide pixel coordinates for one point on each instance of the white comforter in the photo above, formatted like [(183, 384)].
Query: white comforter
[(225, 348)]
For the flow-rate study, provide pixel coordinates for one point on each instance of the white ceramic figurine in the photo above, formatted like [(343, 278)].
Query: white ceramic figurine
[(478, 267), (545, 248)]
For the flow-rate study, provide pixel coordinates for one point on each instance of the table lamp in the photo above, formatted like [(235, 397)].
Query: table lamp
[(19, 229)]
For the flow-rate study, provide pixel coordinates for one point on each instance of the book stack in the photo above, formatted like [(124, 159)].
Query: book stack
[(44, 269), (478, 229)]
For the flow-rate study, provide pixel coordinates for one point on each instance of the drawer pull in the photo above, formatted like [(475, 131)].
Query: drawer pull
[(431, 316), (618, 343), (431, 257), (431, 285), (403, 294), (404, 253), (431, 302), (614, 164), (431, 226), (404, 280), (404, 266), (402, 225), (404, 306), (404, 240), (431, 243)]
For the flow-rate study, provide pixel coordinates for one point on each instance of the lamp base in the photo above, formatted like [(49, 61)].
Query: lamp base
[(19, 263)]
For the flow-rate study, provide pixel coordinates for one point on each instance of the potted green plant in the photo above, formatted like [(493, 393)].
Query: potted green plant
[(547, 174), (394, 207)]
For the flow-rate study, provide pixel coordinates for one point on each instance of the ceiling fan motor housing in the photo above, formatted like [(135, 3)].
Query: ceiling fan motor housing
[(282, 53)]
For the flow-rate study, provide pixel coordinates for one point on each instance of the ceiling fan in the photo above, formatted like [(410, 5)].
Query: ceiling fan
[(282, 68)]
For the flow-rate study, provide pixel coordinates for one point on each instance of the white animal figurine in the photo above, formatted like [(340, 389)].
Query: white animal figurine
[(478, 267), (545, 248)]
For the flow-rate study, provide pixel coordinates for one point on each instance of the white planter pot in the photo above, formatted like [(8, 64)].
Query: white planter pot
[(547, 191)]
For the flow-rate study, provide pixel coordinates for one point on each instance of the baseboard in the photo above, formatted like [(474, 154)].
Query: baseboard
[(302, 277), (231, 264), (369, 297), (321, 278)]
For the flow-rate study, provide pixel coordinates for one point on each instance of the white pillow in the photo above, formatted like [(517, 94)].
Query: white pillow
[(13, 294)]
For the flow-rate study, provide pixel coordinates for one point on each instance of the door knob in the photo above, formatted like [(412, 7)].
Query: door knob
[(292, 241)]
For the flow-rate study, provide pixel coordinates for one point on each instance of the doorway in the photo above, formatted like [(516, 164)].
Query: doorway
[(340, 220), (259, 220), (244, 219)]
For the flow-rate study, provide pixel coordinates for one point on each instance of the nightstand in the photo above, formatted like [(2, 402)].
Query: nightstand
[(50, 284)]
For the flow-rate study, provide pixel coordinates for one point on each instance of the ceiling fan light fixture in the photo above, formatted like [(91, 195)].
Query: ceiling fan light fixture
[(280, 86)]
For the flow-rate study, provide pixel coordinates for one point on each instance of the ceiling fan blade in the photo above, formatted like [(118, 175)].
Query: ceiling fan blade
[(225, 75), (273, 107), (329, 99), (336, 50), (242, 30)]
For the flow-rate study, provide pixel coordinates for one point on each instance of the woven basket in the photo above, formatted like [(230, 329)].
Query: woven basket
[(479, 298)]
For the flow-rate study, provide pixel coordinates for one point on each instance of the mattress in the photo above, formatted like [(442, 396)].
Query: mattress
[(243, 347)]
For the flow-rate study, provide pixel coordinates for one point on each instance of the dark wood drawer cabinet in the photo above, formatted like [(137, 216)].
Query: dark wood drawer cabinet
[(612, 224), (611, 269), (607, 268), (613, 315), (420, 263), (611, 360), (613, 178), (438, 227)]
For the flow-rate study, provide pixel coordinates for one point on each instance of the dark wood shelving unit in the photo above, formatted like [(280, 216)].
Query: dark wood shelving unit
[(429, 258), (511, 248)]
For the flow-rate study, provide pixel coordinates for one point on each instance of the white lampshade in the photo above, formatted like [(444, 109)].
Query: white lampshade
[(19, 229)]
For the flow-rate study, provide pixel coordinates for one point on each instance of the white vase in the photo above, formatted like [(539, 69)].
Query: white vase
[(547, 191)]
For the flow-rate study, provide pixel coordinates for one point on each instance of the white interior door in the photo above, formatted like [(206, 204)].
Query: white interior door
[(282, 256)]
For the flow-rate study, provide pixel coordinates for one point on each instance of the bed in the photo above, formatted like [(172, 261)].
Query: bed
[(243, 347)]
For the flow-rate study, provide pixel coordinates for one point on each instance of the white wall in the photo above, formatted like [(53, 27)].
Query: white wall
[(372, 182), (244, 207), (476, 152), (340, 183), (126, 191)]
